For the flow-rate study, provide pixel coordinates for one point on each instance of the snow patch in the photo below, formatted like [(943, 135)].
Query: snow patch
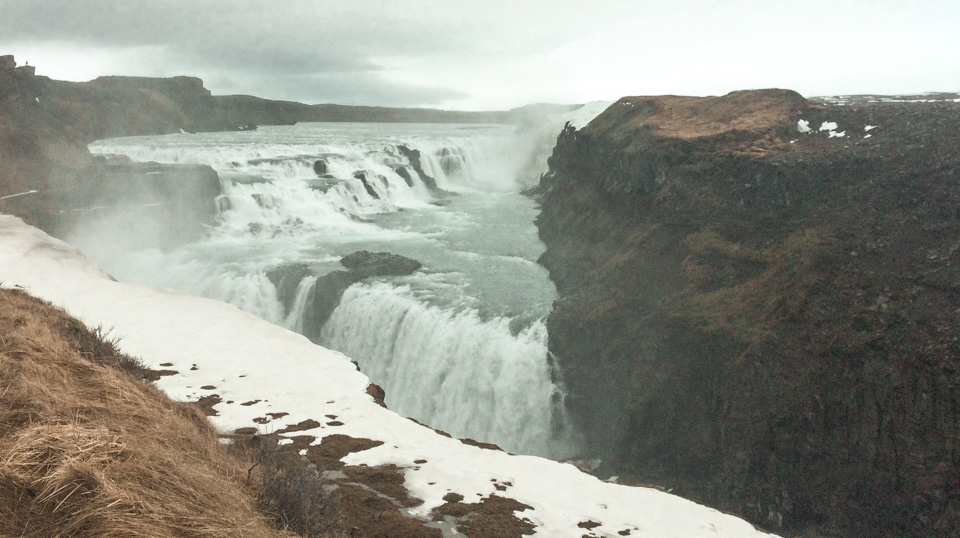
[(869, 128), (803, 126), (828, 126)]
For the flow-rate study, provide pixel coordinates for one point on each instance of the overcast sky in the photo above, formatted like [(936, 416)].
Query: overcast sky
[(495, 54)]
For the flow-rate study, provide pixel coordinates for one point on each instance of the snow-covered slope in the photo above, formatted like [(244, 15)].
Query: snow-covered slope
[(246, 359)]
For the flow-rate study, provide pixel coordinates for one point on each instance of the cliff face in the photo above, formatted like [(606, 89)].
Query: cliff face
[(765, 319), (50, 179)]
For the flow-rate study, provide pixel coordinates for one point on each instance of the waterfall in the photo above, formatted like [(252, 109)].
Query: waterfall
[(460, 345), (471, 377)]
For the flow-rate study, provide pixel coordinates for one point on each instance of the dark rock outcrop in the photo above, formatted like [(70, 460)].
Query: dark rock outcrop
[(320, 168), (413, 155), (49, 178), (764, 320), (286, 279), (366, 264), (402, 172), (362, 176), (328, 289)]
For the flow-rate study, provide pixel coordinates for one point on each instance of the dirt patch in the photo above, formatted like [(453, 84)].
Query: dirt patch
[(206, 404), (328, 453), (303, 425), (480, 444), (371, 499), (155, 375), (492, 517)]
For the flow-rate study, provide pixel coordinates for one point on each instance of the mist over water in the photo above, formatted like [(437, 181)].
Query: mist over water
[(460, 345)]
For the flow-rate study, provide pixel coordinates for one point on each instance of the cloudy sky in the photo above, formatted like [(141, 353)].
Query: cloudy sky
[(495, 54)]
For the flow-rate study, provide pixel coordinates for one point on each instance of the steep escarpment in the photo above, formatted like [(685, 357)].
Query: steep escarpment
[(49, 178), (758, 311)]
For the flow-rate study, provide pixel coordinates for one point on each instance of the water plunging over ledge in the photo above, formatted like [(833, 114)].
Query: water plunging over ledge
[(460, 345)]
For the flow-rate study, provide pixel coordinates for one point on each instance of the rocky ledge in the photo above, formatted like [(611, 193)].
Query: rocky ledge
[(325, 293), (758, 304)]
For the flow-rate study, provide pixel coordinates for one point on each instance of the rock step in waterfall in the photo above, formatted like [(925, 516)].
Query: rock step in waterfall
[(326, 290)]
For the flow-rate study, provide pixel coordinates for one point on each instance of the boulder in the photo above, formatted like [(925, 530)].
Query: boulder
[(319, 167)]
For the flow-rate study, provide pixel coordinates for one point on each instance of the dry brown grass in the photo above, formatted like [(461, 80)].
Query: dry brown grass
[(88, 450), (693, 117)]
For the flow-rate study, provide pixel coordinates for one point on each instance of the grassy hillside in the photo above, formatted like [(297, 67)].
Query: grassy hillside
[(91, 449)]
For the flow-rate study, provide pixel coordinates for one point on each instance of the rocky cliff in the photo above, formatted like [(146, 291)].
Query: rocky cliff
[(50, 179), (758, 304)]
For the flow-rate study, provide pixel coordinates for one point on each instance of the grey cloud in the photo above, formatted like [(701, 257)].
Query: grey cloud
[(269, 59), (341, 88), (288, 50)]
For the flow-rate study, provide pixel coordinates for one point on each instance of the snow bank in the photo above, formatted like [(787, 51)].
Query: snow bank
[(246, 360)]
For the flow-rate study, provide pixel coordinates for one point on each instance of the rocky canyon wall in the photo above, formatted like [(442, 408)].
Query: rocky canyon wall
[(760, 312)]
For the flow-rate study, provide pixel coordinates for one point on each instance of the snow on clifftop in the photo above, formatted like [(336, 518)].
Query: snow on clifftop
[(216, 348)]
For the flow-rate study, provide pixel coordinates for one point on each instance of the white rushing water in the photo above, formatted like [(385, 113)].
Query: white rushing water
[(460, 345)]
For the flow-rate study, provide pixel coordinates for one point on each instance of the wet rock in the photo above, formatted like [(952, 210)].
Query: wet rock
[(402, 172), (320, 167), (326, 293), (368, 264), (413, 155), (324, 299), (286, 279), (366, 184)]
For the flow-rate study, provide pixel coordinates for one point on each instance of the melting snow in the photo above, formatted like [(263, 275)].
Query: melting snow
[(869, 127), (262, 368), (828, 126), (803, 126)]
